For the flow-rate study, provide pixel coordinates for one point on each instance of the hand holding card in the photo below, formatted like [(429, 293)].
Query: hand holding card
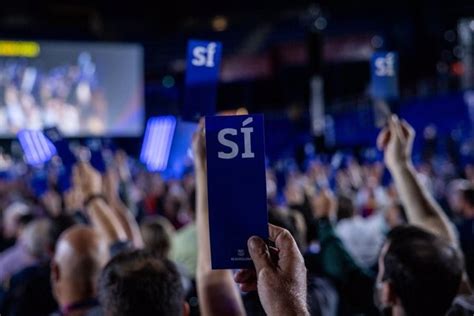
[(236, 187), (282, 288)]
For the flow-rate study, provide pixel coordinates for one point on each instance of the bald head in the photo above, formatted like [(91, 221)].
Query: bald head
[(79, 257)]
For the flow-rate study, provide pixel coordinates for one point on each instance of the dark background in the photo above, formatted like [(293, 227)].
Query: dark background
[(421, 31)]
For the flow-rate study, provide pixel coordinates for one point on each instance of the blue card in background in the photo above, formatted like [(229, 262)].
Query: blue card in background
[(236, 187), (63, 148), (68, 158), (202, 75), (37, 149), (180, 156), (97, 159), (384, 75)]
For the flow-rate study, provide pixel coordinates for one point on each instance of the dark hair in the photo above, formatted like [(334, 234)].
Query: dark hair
[(468, 195), (424, 270), (345, 207), (58, 225), (25, 219), (137, 283), (156, 237)]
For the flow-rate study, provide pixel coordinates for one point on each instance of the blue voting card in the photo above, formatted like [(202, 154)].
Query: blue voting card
[(236, 187), (202, 75), (68, 158), (62, 147), (36, 147), (384, 75), (97, 159)]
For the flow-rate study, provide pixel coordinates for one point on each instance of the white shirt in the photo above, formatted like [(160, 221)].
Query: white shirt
[(362, 237)]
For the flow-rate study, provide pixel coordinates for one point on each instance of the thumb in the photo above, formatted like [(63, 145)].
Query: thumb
[(259, 252), (397, 128)]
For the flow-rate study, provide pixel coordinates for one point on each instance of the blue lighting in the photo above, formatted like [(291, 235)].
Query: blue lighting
[(157, 142), (37, 148)]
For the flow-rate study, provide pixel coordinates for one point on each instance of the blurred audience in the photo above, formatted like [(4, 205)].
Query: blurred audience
[(129, 242)]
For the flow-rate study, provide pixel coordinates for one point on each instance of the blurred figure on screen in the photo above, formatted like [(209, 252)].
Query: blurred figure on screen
[(16, 117), (66, 96), (32, 112)]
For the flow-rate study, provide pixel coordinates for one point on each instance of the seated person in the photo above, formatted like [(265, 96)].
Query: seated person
[(137, 283), (419, 273), (75, 269)]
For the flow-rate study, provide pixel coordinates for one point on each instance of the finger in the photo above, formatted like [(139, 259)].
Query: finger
[(195, 136), (245, 276), (397, 128), (202, 123), (82, 168), (248, 287), (76, 173), (392, 124), (287, 248), (383, 138), (407, 129), (260, 254), (281, 237)]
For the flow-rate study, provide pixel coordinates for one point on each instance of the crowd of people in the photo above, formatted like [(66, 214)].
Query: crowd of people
[(35, 96), (387, 236)]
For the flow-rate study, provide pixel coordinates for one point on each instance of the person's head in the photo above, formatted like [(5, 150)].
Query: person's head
[(454, 195), (467, 201), (137, 283), (11, 216), (469, 171), (345, 207), (79, 257), (35, 237), (419, 273), (23, 221), (157, 236)]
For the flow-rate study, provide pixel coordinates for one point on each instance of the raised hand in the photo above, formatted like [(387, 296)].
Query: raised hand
[(281, 283), (396, 141)]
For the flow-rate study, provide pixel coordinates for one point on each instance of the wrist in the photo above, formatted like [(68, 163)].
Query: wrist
[(200, 167), (400, 165), (292, 308)]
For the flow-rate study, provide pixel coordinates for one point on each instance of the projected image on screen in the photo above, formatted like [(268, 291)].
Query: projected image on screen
[(82, 88)]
